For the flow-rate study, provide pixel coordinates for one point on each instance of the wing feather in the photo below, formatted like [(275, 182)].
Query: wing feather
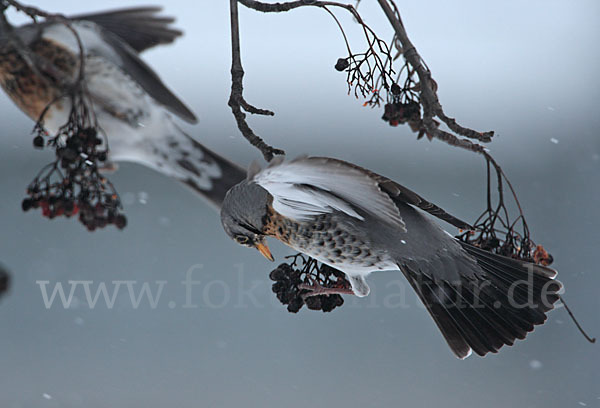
[(399, 193), (308, 186)]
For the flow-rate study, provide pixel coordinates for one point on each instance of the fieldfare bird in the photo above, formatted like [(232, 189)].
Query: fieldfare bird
[(132, 105), (358, 222)]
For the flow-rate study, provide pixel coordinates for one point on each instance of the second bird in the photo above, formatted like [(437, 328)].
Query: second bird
[(132, 105)]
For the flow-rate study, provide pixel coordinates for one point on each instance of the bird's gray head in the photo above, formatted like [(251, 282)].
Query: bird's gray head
[(244, 214)]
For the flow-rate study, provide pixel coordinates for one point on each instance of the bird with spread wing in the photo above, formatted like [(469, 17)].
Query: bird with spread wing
[(134, 109), (359, 222)]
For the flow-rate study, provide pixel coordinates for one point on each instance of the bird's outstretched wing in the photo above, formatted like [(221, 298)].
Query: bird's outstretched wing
[(398, 192), (128, 60), (308, 186)]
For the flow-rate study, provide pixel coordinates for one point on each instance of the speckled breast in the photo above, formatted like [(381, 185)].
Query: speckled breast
[(328, 239)]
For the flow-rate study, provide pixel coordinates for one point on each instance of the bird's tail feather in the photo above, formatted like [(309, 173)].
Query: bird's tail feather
[(500, 305), (180, 156)]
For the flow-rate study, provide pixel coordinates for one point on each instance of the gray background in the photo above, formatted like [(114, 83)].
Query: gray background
[(527, 70)]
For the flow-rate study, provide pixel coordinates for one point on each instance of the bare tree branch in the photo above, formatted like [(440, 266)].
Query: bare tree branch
[(236, 99), (405, 104), (365, 71), (281, 7), (429, 98)]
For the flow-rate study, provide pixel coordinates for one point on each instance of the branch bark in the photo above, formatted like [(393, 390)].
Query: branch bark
[(236, 98), (282, 7)]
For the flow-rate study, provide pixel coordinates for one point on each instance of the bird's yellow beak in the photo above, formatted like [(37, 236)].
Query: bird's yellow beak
[(265, 251)]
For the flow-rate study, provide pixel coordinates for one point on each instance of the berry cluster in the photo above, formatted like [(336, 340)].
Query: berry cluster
[(298, 284), (399, 113), (512, 245), (72, 184), (92, 198)]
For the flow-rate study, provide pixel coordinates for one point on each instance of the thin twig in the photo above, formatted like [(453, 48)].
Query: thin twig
[(587, 337)]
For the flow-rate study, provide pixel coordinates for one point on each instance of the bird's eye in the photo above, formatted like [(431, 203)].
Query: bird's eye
[(242, 239)]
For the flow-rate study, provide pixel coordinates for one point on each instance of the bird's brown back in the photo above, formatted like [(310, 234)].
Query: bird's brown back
[(31, 92)]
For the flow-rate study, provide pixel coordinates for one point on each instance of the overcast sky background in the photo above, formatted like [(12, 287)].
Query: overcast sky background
[(527, 70)]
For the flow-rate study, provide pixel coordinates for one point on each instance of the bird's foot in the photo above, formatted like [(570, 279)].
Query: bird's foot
[(306, 283), (318, 290), (109, 167)]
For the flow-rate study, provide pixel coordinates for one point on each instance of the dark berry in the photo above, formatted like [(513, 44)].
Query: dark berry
[(88, 133), (295, 305), (314, 302), (284, 296), (120, 221), (69, 206), (278, 273), (341, 64), (38, 141), (26, 204), (332, 301), (278, 287)]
